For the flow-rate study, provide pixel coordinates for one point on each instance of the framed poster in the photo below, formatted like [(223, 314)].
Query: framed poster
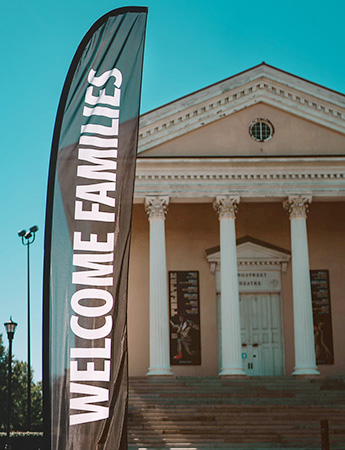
[(184, 312), (321, 301)]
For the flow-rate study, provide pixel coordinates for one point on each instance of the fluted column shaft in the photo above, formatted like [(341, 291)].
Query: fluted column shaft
[(305, 362), (231, 358), (156, 208)]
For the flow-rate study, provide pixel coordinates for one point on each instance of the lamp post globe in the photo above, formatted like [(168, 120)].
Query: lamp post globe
[(10, 328), (28, 237)]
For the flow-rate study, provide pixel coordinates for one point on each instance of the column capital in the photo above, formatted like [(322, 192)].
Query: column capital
[(297, 206), (226, 206), (156, 207)]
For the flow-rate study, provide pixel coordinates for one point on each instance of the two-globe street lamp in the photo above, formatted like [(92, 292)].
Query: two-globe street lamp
[(28, 238), (10, 328)]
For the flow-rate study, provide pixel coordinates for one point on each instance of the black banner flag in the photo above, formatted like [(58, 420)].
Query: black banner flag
[(89, 208)]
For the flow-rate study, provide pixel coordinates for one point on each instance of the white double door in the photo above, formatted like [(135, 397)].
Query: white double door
[(261, 333)]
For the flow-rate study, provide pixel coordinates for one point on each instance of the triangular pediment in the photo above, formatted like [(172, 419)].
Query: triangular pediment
[(214, 121), (253, 252)]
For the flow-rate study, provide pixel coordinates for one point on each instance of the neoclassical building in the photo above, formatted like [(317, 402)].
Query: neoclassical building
[(238, 237)]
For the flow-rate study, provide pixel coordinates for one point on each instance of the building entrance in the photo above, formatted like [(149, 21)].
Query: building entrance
[(261, 333), (260, 266)]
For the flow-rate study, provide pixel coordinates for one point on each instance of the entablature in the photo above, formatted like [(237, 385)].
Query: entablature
[(253, 179)]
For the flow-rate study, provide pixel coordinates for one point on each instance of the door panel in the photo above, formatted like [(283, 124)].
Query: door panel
[(261, 334)]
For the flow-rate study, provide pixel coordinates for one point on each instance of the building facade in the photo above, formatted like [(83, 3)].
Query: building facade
[(238, 235)]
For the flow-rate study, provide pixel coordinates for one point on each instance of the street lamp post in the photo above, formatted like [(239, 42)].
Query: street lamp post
[(28, 238), (10, 328)]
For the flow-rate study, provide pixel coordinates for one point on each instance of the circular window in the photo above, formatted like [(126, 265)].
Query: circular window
[(261, 130)]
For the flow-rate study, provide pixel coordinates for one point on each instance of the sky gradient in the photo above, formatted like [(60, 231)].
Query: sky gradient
[(190, 44)]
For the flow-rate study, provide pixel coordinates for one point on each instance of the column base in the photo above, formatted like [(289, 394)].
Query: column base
[(232, 373), (298, 371), (159, 372)]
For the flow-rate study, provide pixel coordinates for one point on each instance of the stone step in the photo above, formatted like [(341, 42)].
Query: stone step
[(273, 438), (236, 425), (257, 413), (234, 446)]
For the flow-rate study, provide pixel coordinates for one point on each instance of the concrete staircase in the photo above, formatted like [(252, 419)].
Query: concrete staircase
[(240, 414)]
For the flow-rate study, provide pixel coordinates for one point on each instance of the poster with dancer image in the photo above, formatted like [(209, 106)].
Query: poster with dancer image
[(184, 311), (321, 301)]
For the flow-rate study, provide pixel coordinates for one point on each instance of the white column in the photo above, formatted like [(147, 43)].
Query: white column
[(219, 315), (156, 208), (305, 362), (231, 358)]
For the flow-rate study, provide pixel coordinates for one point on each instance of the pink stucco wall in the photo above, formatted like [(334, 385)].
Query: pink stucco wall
[(193, 228)]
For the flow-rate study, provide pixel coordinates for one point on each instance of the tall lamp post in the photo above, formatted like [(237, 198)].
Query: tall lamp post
[(10, 328), (28, 238)]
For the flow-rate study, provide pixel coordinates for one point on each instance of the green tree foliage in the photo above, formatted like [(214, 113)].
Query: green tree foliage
[(19, 395)]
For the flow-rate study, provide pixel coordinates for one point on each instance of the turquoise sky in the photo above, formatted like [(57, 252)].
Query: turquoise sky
[(190, 44)]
